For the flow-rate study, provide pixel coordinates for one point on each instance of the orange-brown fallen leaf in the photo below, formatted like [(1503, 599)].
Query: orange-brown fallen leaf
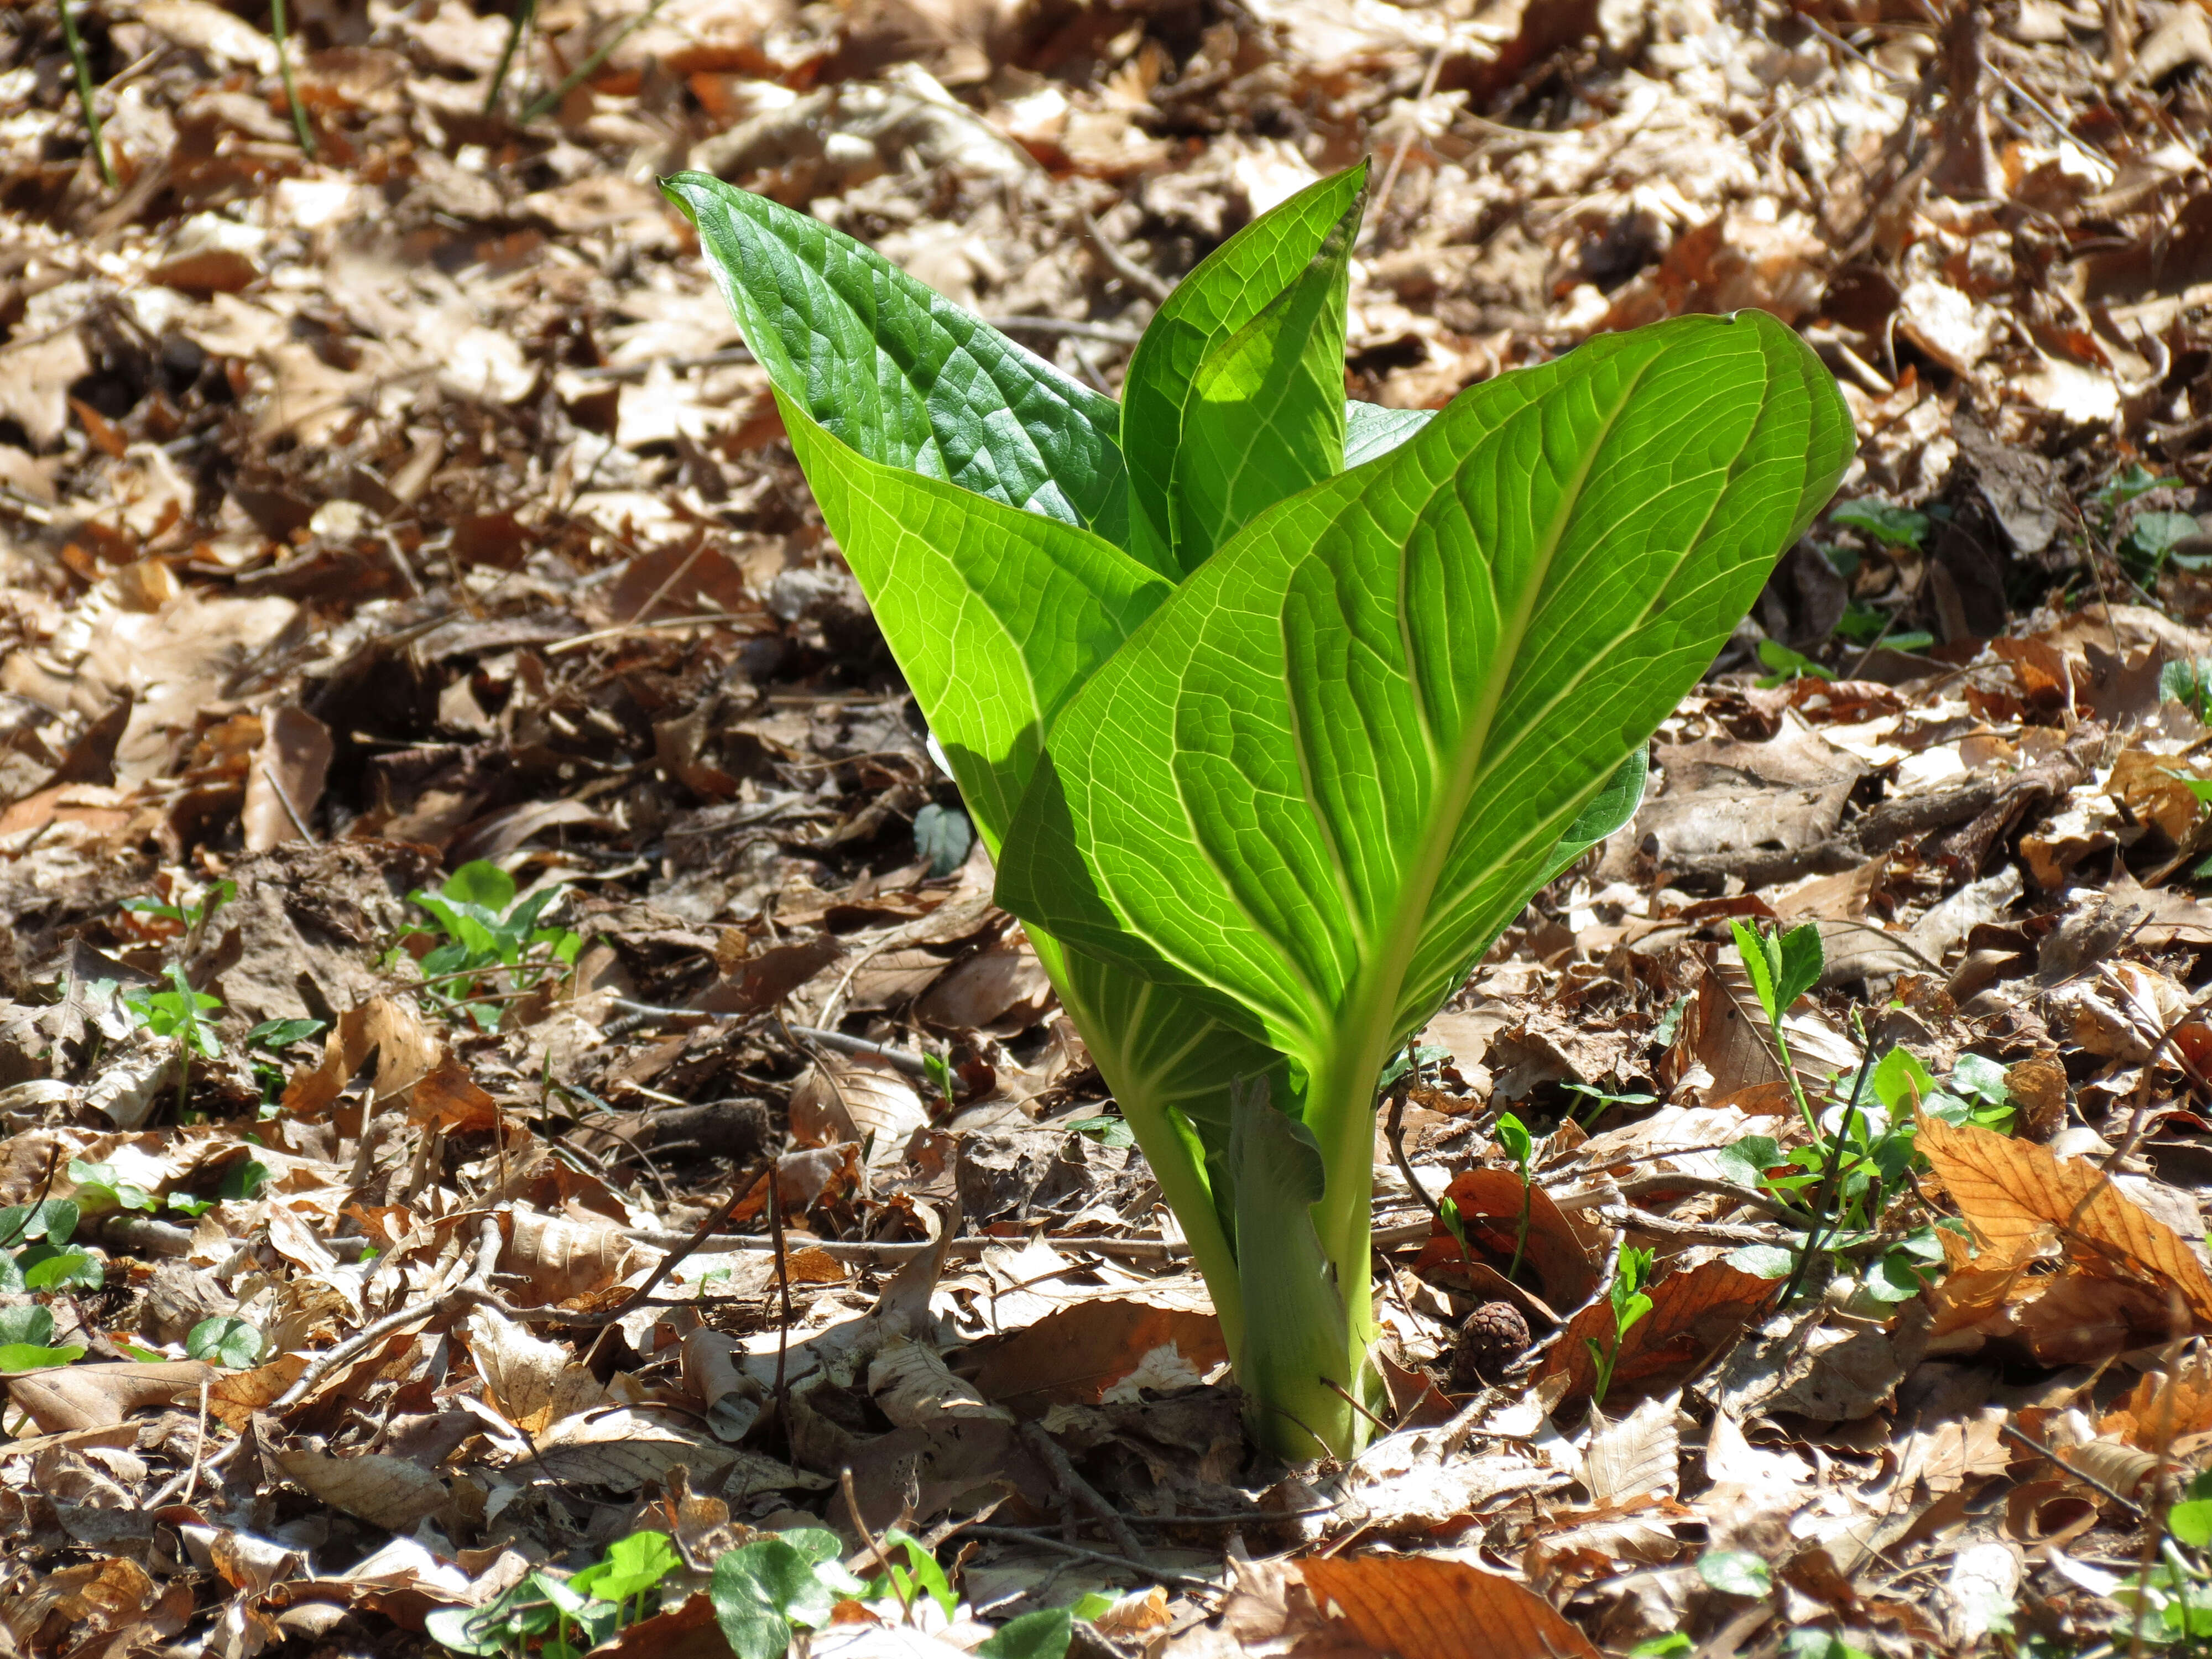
[(1420, 1608), (2011, 1192), (1691, 1314), (1489, 1203)]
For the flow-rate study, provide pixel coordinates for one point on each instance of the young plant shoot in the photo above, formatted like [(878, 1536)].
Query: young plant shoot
[(1272, 710)]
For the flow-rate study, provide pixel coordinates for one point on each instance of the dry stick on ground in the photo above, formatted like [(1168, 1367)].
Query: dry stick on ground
[(886, 1253), (783, 1294), (1082, 1491), (1182, 1581)]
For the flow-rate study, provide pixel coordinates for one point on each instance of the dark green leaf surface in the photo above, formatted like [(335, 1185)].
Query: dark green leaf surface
[(900, 372), (1209, 309), (1333, 766)]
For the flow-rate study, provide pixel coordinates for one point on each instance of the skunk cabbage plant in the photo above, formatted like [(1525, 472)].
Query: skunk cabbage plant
[(1274, 710)]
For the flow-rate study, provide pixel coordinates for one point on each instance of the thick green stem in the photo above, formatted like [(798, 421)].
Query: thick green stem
[(1168, 1146)]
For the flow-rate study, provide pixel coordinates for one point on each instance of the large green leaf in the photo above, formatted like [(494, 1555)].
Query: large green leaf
[(899, 372), (1257, 327), (1335, 763), (995, 616)]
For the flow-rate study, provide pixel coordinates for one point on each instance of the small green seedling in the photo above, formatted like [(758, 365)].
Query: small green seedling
[(942, 836), (1513, 1135), (265, 1042), (1786, 665), (562, 1615), (1781, 967), (1601, 1098), (225, 1340), (1272, 711), (33, 1249), (193, 916), (1736, 1572), (1893, 526), (1630, 1303), (2188, 681), (488, 931), (1106, 1129), (2149, 544), (767, 1589), (179, 1012)]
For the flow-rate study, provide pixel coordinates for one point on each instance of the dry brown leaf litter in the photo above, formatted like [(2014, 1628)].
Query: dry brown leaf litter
[(412, 504)]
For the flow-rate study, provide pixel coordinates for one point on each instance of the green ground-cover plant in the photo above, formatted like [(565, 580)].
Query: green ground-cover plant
[(1860, 1158), (487, 936), (1273, 711), (1630, 1301)]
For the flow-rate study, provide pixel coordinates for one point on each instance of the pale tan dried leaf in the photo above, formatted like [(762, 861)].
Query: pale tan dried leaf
[(286, 776), (1636, 1457), (2008, 1190), (913, 1385), (93, 1397), (1420, 1608), (627, 1449), (560, 1259), (839, 1099), (391, 1492), (534, 1381), (404, 1047)]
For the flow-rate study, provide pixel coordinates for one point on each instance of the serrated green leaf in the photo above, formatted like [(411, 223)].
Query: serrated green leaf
[(2192, 1522), (1747, 1162), (1225, 296), (898, 372)]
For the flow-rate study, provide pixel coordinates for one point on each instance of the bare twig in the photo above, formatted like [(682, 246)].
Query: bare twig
[(1082, 1491), (1182, 1581)]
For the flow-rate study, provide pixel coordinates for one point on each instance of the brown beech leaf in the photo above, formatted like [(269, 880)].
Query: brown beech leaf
[(839, 1099), (1420, 1608), (93, 1397), (1077, 1353), (404, 1047), (391, 1492), (2012, 1190), (1489, 1203), (1691, 1314), (562, 1259)]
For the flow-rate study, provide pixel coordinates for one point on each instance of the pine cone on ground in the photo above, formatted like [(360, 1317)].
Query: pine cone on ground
[(1494, 1336)]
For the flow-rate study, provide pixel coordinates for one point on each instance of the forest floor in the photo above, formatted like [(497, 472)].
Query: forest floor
[(464, 841)]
